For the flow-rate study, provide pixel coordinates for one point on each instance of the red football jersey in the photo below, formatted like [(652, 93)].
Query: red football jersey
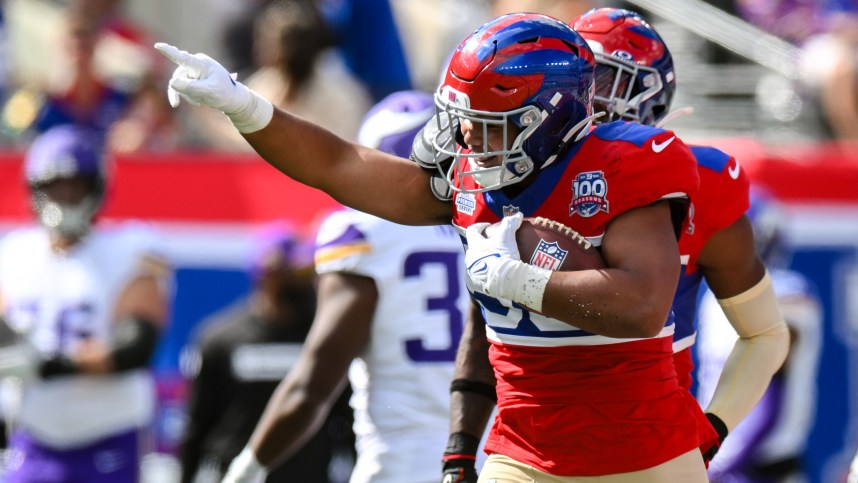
[(572, 402), (722, 198)]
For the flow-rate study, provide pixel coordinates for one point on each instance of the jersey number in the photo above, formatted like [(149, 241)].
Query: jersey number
[(447, 304)]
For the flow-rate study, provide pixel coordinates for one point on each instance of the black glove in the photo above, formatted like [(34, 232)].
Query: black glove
[(57, 366), (721, 428), (460, 459)]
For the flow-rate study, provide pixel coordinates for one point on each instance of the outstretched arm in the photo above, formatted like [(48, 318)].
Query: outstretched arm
[(356, 176), (742, 286), (299, 406)]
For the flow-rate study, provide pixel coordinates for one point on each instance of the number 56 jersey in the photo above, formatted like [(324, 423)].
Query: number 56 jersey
[(400, 382), (59, 300)]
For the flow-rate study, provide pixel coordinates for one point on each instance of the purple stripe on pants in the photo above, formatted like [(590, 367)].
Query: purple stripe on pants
[(110, 460)]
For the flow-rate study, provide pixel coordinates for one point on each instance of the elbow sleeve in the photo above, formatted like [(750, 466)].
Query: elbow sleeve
[(757, 355), (134, 342)]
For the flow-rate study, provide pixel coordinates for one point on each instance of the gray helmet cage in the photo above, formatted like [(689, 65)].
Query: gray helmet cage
[(515, 164), (621, 105)]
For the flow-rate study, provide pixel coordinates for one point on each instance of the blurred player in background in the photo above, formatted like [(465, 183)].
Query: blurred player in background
[(242, 354), (391, 304), (92, 302), (769, 444), (520, 118), (635, 81)]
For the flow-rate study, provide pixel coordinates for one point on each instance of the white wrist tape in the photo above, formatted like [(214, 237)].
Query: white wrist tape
[(245, 468), (522, 283), (759, 352), (255, 115)]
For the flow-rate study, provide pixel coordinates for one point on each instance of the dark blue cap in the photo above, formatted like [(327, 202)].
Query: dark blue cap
[(278, 245), (64, 151)]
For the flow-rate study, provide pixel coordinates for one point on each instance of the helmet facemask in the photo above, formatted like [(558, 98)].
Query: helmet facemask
[(622, 87), (68, 220), (515, 163)]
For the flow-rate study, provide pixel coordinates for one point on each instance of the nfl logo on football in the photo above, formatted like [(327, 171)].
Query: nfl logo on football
[(548, 255)]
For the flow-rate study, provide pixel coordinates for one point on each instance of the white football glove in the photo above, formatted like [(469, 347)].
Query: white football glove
[(199, 79), (495, 269), (245, 468)]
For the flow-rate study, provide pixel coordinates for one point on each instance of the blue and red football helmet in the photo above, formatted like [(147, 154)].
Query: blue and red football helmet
[(61, 153), (635, 79), (528, 69)]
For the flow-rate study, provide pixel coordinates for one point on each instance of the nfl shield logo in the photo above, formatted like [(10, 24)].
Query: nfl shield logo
[(509, 210), (548, 255)]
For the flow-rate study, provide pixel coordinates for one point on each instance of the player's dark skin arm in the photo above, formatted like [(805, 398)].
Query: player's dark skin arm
[(633, 297), (729, 260), (299, 406), (470, 411), (362, 178)]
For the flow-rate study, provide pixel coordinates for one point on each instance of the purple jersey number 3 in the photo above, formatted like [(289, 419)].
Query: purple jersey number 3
[(414, 265)]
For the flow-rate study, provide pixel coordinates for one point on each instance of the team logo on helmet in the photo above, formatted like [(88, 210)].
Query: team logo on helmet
[(589, 194), (623, 55), (509, 210), (548, 255)]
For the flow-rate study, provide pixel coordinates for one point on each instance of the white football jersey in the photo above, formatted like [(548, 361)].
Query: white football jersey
[(401, 380), (58, 300)]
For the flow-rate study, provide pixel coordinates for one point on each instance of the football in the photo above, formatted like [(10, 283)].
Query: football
[(552, 245)]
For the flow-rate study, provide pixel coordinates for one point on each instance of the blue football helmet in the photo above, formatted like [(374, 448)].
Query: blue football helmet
[(528, 69), (635, 79), (61, 153)]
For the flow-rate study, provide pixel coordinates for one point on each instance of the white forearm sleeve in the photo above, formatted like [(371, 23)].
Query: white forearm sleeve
[(254, 115), (758, 353), (523, 283)]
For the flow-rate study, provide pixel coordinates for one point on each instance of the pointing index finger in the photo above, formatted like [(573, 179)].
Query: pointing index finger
[(180, 57)]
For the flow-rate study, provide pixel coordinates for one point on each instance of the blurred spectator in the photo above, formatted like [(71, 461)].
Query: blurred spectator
[(91, 301), (77, 93), (565, 11), (243, 353), (368, 36), (830, 69), (102, 75), (364, 32), (298, 71), (431, 30), (827, 34), (768, 445)]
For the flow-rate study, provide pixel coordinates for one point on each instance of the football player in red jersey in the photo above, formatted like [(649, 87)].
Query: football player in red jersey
[(635, 81), (583, 359)]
